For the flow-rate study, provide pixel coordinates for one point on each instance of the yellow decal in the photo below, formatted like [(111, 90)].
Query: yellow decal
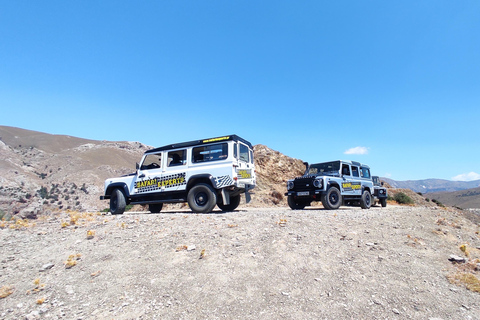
[(170, 182), (351, 186), (244, 174), (216, 139), (146, 183)]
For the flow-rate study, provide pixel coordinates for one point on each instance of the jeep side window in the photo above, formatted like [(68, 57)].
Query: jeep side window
[(345, 170), (152, 161), (210, 153), (235, 151), (176, 158), (244, 152), (355, 172)]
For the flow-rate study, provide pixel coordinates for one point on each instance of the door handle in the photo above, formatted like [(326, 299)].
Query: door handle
[(142, 176)]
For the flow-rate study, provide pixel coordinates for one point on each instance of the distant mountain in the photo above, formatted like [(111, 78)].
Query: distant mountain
[(433, 185), (465, 199)]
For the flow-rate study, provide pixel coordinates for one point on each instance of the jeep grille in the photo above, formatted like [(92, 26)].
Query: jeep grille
[(304, 183)]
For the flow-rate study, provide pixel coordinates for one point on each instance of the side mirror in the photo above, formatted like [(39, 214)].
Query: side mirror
[(137, 166), (381, 183)]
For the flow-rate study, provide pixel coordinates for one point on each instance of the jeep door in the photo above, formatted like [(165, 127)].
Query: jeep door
[(149, 174), (351, 184), (245, 168), (174, 175)]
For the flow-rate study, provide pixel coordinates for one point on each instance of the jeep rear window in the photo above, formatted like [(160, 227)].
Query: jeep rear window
[(176, 158), (210, 153), (244, 152)]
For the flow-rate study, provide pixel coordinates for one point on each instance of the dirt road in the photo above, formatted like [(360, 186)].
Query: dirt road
[(255, 263)]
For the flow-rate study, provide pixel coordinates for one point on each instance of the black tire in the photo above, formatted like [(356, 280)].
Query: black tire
[(383, 202), (155, 207), (117, 202), (202, 198), (295, 205), (234, 202), (332, 199), (366, 200)]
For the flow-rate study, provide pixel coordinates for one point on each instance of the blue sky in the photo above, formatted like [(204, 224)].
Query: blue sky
[(393, 84)]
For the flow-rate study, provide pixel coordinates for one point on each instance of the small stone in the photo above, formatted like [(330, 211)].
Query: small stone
[(46, 267), (395, 311), (454, 258), (191, 248), (370, 244)]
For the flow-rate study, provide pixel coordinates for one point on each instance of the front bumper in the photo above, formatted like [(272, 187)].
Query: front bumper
[(306, 193)]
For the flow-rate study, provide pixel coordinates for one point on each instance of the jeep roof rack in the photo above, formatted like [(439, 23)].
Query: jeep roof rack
[(233, 137)]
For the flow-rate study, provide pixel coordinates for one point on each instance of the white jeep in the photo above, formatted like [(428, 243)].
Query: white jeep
[(203, 173), (333, 183)]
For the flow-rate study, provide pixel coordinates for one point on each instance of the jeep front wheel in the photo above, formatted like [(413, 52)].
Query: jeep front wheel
[(294, 205), (117, 202), (234, 202), (202, 198), (366, 200), (332, 199)]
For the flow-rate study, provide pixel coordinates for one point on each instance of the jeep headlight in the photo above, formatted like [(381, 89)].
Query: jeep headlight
[(318, 183), (290, 185)]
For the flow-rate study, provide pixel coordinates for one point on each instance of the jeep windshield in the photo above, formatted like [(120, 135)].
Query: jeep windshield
[(324, 169)]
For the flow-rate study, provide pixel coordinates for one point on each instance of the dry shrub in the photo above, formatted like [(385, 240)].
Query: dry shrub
[(5, 291), (467, 279)]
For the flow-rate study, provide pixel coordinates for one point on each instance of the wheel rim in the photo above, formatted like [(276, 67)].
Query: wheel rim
[(201, 198), (333, 198), (367, 200)]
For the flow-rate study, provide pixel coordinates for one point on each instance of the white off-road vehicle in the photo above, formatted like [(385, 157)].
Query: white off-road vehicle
[(333, 183), (203, 173)]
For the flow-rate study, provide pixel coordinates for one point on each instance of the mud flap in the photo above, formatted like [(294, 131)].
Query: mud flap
[(248, 198), (225, 197)]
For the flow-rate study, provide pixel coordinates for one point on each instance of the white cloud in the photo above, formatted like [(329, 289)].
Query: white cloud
[(467, 177), (357, 150)]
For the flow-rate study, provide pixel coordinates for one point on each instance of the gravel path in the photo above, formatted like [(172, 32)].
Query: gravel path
[(255, 263)]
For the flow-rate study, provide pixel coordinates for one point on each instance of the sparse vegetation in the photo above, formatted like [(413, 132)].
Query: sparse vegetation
[(438, 203), (467, 279), (402, 198)]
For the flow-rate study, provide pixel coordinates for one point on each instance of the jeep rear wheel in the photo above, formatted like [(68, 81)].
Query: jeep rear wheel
[(383, 202), (366, 200), (202, 198), (234, 202), (332, 199), (155, 207), (295, 205), (117, 202)]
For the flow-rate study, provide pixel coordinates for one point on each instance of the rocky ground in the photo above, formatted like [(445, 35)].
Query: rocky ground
[(254, 263)]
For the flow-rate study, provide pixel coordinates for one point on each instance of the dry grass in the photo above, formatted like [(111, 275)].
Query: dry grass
[(5, 291), (72, 260), (469, 280)]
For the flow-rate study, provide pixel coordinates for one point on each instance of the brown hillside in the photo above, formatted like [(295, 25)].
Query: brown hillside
[(465, 199), (273, 170)]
